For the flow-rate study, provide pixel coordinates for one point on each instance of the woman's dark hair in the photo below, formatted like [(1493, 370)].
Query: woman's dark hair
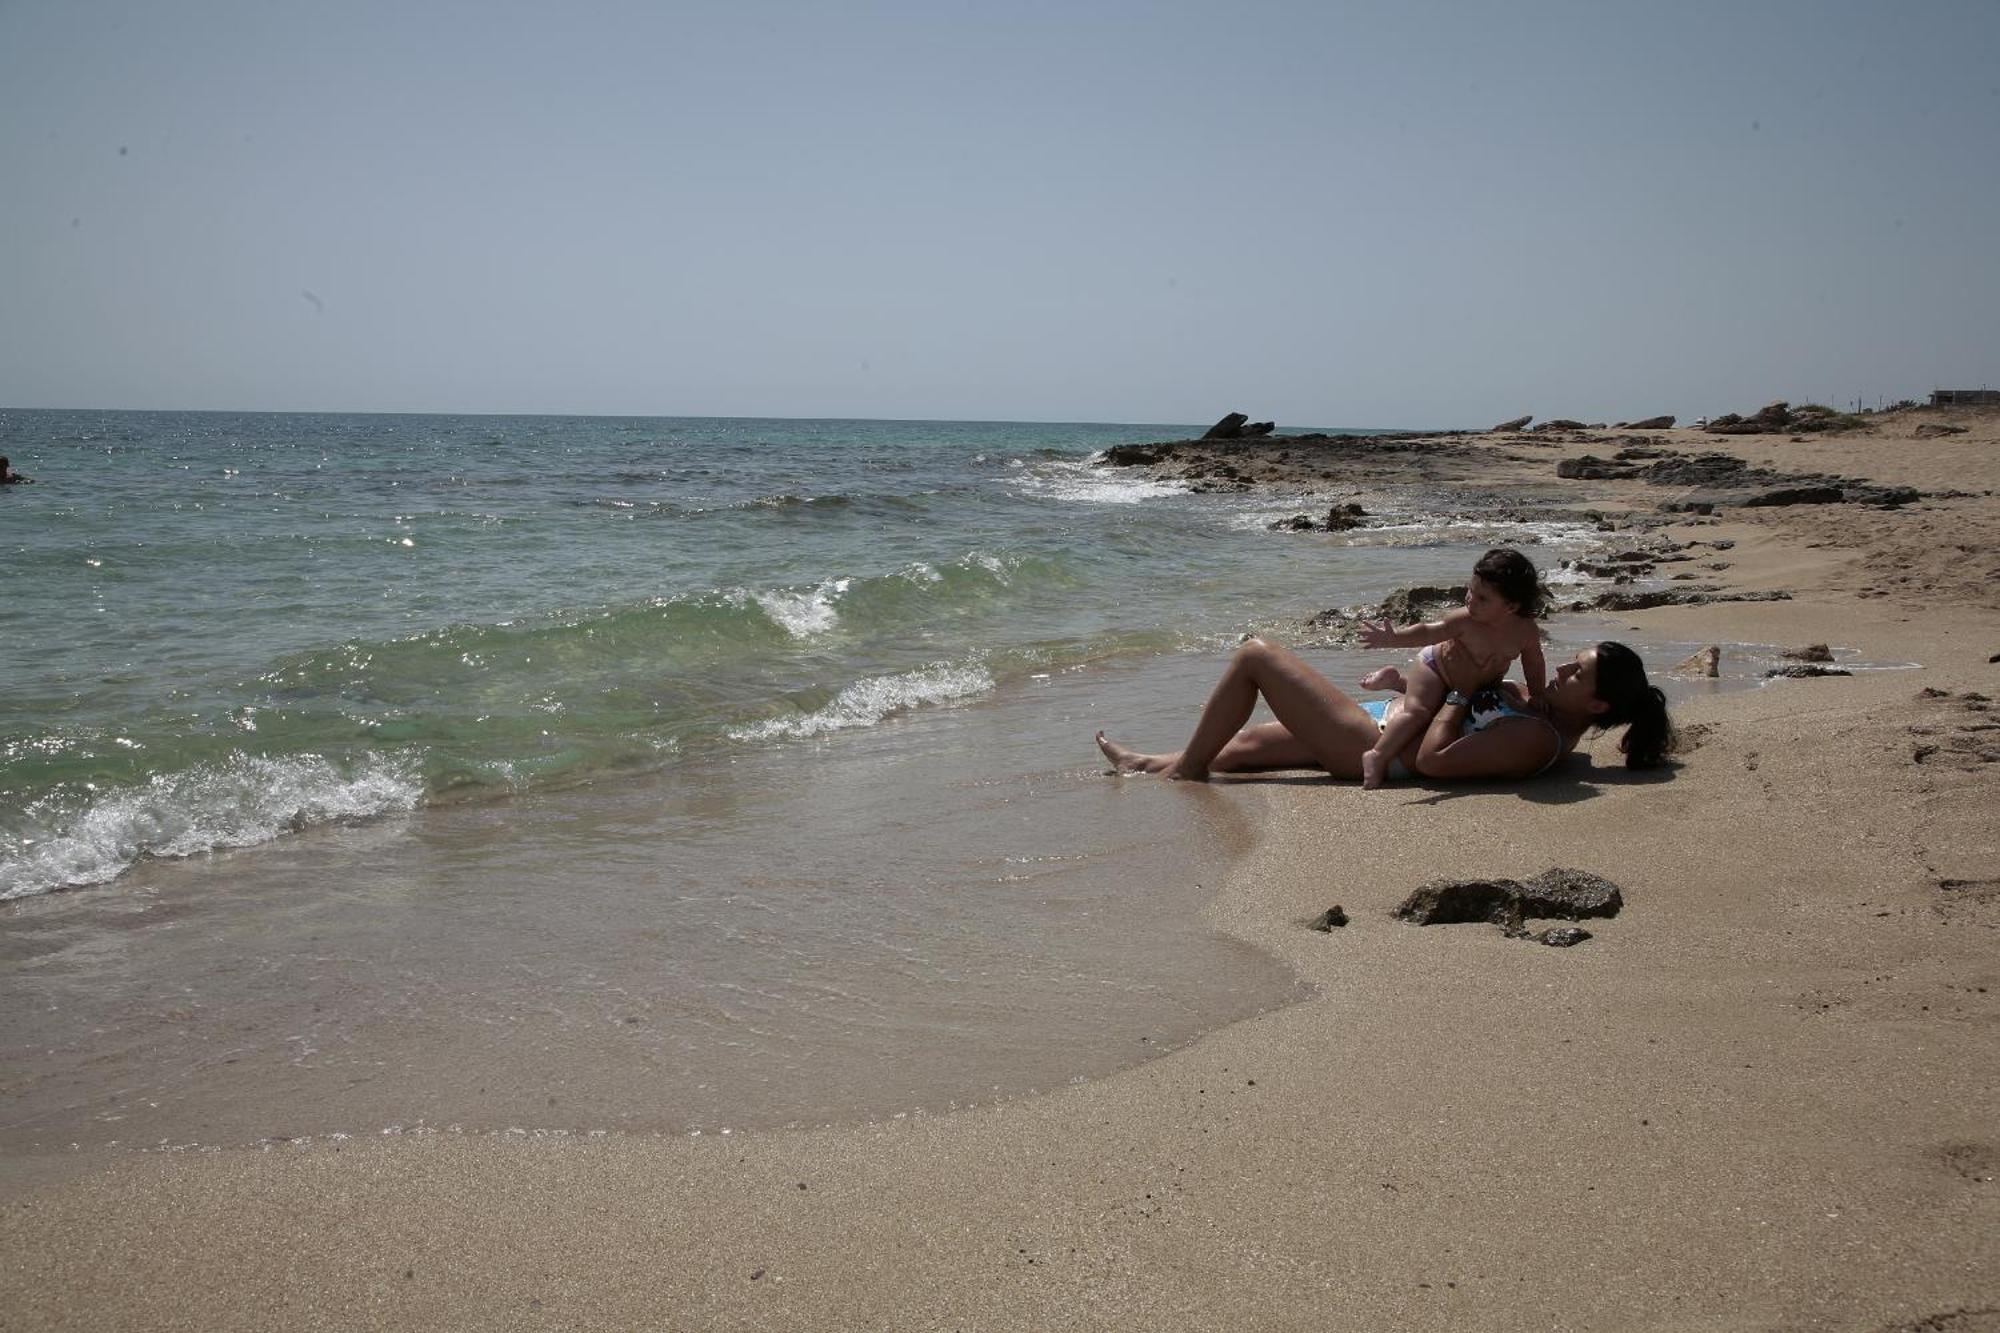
[(1638, 707), (1513, 576)]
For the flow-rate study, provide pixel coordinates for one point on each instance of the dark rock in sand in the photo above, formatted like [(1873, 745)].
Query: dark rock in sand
[(1887, 497), (1812, 652), (1779, 496), (1931, 430), (1568, 894), (1332, 919), (1563, 937), (1723, 481), (1695, 470), (1652, 423), (1805, 670), (1229, 428), (1516, 424)]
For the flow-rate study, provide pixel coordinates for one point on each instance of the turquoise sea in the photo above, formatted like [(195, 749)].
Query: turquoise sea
[(699, 772)]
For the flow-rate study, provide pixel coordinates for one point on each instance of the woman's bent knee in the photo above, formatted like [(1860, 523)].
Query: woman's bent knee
[(1257, 649)]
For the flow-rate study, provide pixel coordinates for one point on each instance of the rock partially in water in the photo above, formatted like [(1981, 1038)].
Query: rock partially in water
[(1340, 518), (1812, 652), (1402, 607), (1703, 662)]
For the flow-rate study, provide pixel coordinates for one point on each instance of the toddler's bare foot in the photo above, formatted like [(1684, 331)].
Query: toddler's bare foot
[(1388, 678), (1374, 767)]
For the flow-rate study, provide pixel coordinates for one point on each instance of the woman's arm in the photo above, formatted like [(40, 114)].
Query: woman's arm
[(1513, 748), (1385, 635)]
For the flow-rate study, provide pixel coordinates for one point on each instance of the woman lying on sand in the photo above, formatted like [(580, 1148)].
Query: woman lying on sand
[(1496, 733)]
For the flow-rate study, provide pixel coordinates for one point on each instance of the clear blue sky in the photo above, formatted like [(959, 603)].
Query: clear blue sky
[(1325, 213)]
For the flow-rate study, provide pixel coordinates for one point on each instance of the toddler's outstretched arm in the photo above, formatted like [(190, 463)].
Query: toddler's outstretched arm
[(1534, 670), (1385, 635)]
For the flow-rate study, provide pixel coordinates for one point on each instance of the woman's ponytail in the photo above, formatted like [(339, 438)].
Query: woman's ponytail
[(1635, 705)]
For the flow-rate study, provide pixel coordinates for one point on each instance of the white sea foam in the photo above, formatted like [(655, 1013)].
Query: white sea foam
[(804, 614), (867, 702), (1428, 529), (1086, 484), (246, 799)]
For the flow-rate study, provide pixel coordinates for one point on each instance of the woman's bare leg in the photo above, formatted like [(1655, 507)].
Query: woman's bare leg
[(1317, 722), (1266, 745)]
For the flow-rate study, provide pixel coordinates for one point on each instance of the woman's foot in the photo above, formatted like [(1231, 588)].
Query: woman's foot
[(1131, 761), (1374, 767), (1128, 760), (1387, 678)]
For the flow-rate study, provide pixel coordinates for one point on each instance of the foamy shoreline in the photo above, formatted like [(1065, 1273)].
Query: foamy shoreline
[(1760, 1097)]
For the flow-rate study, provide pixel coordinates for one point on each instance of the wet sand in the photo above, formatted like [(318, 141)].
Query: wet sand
[(1761, 1097)]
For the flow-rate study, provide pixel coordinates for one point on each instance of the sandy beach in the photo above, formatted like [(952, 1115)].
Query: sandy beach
[(1760, 1097)]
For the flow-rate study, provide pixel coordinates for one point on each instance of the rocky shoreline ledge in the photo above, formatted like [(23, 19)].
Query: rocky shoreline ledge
[(1647, 491)]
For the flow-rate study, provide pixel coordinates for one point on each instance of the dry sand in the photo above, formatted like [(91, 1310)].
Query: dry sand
[(1762, 1097)]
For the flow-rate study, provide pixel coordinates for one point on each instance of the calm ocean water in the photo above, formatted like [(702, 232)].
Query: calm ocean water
[(593, 773)]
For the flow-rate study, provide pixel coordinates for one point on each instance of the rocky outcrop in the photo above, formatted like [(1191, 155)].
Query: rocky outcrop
[(1812, 652), (1770, 419), (1236, 426), (1725, 481), (1592, 468), (1651, 423), (1781, 418), (1516, 424), (1508, 903)]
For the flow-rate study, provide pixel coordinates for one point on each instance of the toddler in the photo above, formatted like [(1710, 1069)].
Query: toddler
[(1466, 651)]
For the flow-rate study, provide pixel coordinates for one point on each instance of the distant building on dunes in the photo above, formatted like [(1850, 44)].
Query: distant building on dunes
[(1965, 397)]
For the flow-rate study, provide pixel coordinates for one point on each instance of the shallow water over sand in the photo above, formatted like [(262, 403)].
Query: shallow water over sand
[(924, 915)]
